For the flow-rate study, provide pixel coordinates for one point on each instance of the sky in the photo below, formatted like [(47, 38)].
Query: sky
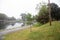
[(17, 7)]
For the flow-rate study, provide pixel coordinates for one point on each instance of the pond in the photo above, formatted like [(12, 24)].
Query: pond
[(14, 25)]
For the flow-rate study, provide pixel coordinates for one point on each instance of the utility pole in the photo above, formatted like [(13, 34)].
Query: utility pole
[(49, 12)]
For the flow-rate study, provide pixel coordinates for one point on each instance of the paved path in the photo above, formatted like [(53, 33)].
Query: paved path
[(6, 31)]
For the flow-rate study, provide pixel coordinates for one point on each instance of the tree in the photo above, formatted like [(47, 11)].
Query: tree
[(29, 18), (23, 15), (11, 18), (3, 17), (43, 15), (55, 11)]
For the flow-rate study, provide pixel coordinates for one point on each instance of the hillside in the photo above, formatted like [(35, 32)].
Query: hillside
[(44, 32)]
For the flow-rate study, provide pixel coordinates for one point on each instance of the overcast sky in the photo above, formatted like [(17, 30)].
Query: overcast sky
[(16, 7)]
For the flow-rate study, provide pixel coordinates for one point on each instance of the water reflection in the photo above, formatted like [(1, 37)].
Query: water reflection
[(7, 25), (14, 25), (3, 25)]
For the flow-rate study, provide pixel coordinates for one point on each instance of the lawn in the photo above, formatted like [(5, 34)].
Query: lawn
[(44, 32)]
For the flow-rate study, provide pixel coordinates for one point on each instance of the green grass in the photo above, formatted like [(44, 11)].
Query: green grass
[(44, 32), (37, 24)]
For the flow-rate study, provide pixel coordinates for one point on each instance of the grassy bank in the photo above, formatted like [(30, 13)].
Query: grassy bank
[(45, 32)]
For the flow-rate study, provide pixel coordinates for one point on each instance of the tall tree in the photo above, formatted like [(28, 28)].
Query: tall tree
[(55, 11), (43, 16)]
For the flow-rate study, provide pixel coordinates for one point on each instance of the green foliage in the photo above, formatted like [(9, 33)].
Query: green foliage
[(29, 18), (55, 11), (43, 10), (43, 15)]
